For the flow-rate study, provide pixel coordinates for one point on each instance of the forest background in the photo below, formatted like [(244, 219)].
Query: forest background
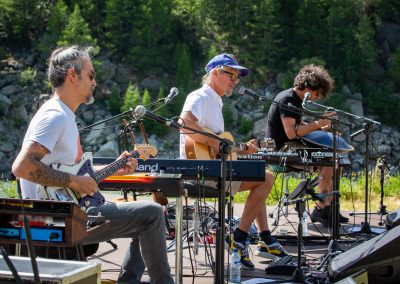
[(173, 39), (168, 42)]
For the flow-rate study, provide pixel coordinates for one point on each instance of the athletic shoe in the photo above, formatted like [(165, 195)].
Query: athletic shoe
[(243, 250), (271, 251)]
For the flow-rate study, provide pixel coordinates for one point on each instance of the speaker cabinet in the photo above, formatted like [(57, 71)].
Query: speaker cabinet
[(379, 256)]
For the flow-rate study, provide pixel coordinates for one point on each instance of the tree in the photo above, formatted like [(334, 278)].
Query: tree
[(118, 25), (367, 50), (22, 20), (183, 78), (131, 98), (153, 36), (77, 32), (57, 22)]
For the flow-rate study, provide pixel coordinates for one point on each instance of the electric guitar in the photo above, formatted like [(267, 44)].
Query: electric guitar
[(199, 151), (85, 167)]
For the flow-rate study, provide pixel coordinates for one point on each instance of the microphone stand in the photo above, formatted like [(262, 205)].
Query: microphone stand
[(365, 227), (130, 111)]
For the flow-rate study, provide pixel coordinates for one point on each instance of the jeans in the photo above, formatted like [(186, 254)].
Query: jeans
[(143, 222)]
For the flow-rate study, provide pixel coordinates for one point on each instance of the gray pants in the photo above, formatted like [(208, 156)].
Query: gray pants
[(143, 222)]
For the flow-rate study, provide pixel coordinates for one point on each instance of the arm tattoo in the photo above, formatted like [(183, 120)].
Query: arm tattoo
[(45, 175)]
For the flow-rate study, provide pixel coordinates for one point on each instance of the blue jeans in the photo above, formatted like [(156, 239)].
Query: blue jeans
[(143, 222)]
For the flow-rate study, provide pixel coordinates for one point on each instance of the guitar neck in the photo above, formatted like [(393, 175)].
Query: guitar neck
[(100, 175)]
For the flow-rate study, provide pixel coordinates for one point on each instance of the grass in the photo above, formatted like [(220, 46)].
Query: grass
[(352, 191)]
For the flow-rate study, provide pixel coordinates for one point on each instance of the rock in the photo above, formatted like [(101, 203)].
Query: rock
[(354, 106), (107, 70), (10, 90), (5, 104), (150, 84), (109, 149)]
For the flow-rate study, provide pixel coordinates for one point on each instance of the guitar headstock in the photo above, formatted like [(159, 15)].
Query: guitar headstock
[(145, 151)]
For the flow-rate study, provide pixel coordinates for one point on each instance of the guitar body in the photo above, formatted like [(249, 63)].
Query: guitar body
[(198, 151), (83, 168)]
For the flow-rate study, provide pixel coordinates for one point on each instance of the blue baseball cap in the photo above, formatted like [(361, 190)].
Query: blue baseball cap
[(226, 60)]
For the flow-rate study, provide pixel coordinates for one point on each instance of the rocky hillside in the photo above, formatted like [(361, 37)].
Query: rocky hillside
[(24, 88)]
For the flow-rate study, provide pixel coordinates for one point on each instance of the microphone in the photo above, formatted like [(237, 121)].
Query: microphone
[(141, 111), (172, 94), (305, 100), (244, 91)]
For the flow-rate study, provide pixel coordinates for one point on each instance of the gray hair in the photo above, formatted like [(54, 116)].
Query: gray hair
[(62, 59)]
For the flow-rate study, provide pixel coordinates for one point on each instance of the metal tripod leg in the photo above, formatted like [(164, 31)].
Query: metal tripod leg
[(281, 209)]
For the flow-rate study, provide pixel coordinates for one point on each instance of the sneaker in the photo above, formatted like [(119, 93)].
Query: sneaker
[(243, 250), (271, 251), (321, 216)]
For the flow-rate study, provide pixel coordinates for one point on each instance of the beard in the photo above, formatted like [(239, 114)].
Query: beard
[(90, 98)]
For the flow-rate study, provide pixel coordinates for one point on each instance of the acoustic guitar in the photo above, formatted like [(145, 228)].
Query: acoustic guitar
[(198, 151)]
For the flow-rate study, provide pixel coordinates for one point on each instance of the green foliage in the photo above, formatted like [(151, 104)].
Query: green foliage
[(77, 32), (118, 25), (228, 114), (160, 129), (352, 189), (114, 102), (294, 67), (22, 20), (8, 189), (131, 98), (183, 78), (57, 22), (394, 68), (153, 36), (245, 126), (27, 76), (174, 39)]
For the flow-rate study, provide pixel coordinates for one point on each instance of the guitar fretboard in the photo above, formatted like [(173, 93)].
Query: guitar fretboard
[(100, 175)]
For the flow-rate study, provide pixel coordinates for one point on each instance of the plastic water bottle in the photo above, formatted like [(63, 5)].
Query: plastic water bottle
[(304, 223), (234, 268)]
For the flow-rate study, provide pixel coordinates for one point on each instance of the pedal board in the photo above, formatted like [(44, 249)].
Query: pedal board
[(284, 265)]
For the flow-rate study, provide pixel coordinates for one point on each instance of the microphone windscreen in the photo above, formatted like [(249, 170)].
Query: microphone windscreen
[(140, 111)]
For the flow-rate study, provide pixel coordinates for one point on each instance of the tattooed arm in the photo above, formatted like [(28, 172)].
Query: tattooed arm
[(28, 166)]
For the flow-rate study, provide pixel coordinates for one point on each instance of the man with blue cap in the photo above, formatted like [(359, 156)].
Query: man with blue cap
[(203, 111)]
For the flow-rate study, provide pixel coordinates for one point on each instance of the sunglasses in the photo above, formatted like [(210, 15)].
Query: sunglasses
[(233, 76), (91, 75)]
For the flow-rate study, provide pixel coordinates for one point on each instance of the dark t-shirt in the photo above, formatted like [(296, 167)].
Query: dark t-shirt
[(275, 129)]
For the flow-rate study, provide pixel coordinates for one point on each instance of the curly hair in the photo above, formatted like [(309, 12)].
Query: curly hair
[(314, 77)]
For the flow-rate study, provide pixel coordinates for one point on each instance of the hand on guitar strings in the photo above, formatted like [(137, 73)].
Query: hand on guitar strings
[(251, 147), (130, 165)]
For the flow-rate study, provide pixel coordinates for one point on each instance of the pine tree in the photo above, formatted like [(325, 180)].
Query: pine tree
[(131, 98), (153, 36), (21, 21), (367, 49), (77, 32), (118, 25), (57, 22)]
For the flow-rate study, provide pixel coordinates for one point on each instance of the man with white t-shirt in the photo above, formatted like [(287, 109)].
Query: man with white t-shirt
[(53, 137), (203, 110)]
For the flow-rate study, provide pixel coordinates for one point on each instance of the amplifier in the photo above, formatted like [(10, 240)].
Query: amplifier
[(44, 234)]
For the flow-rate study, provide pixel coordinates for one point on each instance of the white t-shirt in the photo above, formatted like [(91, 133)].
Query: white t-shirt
[(54, 127), (206, 105)]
